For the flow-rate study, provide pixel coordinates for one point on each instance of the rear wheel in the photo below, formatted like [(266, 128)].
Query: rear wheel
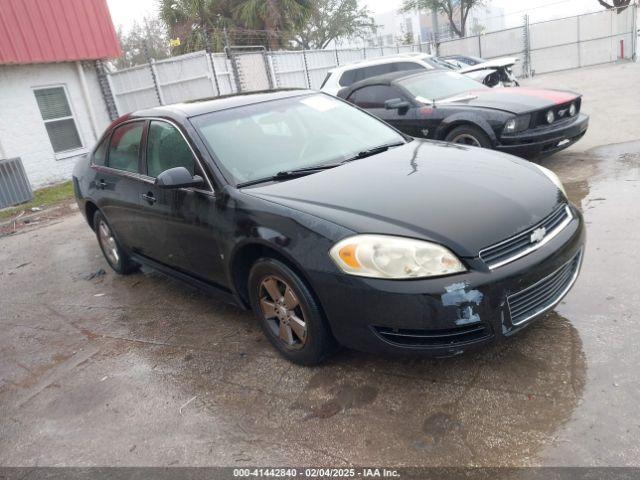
[(113, 253), (468, 135), (289, 314)]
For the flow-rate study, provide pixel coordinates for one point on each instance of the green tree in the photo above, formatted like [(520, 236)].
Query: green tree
[(456, 11), (276, 17), (149, 35), (332, 20)]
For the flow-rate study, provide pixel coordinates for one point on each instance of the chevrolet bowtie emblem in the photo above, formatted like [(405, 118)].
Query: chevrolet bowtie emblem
[(538, 234)]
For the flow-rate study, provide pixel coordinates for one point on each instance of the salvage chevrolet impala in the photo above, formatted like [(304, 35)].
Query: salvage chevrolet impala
[(332, 226)]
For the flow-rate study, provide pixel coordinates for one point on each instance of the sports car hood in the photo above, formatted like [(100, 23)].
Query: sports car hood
[(462, 197), (516, 100)]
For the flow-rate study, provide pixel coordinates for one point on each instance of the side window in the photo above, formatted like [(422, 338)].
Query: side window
[(166, 148), (375, 70), (350, 77), (100, 154), (374, 96), (124, 148), (406, 66)]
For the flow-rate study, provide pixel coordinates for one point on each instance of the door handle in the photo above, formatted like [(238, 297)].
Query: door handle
[(101, 185), (149, 198)]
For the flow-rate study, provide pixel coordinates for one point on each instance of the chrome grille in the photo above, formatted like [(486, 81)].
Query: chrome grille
[(522, 244), (544, 294)]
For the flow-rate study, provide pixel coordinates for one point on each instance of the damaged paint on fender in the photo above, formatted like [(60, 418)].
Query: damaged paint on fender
[(458, 296)]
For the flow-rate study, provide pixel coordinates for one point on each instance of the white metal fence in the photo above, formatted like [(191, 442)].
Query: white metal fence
[(560, 44)]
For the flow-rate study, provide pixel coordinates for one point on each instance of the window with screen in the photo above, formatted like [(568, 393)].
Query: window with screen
[(124, 148), (166, 148), (58, 119)]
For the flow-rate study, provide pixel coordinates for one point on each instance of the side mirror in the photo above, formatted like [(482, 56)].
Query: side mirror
[(397, 104), (178, 177)]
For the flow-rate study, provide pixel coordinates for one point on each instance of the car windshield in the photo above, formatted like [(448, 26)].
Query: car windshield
[(440, 86), (258, 141)]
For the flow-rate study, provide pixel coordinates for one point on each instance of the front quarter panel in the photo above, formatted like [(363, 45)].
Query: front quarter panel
[(490, 122), (303, 239)]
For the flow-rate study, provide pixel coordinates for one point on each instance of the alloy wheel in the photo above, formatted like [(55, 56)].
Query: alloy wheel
[(282, 311), (466, 139), (108, 243)]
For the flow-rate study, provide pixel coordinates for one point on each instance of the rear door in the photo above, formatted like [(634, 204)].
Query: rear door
[(181, 224), (117, 184)]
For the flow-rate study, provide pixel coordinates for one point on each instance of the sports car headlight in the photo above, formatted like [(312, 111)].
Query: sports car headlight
[(517, 124), (382, 256), (510, 126), (553, 177)]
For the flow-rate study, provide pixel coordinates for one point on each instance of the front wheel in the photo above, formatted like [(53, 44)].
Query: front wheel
[(116, 257), (289, 315), (468, 135)]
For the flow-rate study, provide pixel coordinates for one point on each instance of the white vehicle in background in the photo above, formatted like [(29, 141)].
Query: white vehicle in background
[(346, 75), (495, 73)]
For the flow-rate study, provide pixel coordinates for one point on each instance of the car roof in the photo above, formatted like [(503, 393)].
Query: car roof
[(214, 104), (367, 62), (387, 79)]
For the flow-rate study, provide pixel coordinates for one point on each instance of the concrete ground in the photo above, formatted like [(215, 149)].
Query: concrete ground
[(142, 370)]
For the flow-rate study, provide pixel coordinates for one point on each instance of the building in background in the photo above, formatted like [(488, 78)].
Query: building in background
[(52, 95)]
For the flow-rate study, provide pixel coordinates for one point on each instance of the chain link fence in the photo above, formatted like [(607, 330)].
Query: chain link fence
[(560, 44)]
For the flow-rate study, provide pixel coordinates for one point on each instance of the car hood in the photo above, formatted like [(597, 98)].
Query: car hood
[(463, 197), (516, 100), (497, 63)]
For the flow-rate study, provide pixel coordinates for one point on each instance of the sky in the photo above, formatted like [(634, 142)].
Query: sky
[(124, 12)]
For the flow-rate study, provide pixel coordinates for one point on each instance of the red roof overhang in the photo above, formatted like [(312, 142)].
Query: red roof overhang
[(44, 31)]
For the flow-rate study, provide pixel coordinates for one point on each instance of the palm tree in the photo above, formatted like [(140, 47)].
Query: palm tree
[(190, 19), (274, 16)]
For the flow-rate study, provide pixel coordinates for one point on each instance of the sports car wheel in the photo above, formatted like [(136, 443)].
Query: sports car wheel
[(468, 135)]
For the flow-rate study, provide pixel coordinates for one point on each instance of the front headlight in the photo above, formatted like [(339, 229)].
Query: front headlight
[(510, 126), (553, 177), (382, 256), (517, 124)]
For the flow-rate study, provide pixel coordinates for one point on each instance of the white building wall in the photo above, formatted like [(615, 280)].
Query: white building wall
[(22, 131)]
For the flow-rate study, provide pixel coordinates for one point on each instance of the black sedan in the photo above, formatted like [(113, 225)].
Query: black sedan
[(448, 106), (332, 226)]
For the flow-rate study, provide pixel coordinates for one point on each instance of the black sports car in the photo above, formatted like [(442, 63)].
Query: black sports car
[(448, 106), (330, 224)]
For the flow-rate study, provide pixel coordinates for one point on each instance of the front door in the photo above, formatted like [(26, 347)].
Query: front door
[(372, 98), (181, 224)]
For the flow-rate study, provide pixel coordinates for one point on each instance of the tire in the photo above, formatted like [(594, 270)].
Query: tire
[(293, 322), (470, 136), (113, 253)]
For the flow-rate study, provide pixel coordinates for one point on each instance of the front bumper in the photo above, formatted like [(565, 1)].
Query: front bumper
[(544, 141), (444, 316)]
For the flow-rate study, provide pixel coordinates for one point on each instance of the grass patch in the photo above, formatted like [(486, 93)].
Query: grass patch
[(44, 197)]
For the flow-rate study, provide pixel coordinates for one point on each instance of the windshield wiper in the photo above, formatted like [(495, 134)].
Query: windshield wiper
[(299, 172), (373, 151), (286, 174)]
